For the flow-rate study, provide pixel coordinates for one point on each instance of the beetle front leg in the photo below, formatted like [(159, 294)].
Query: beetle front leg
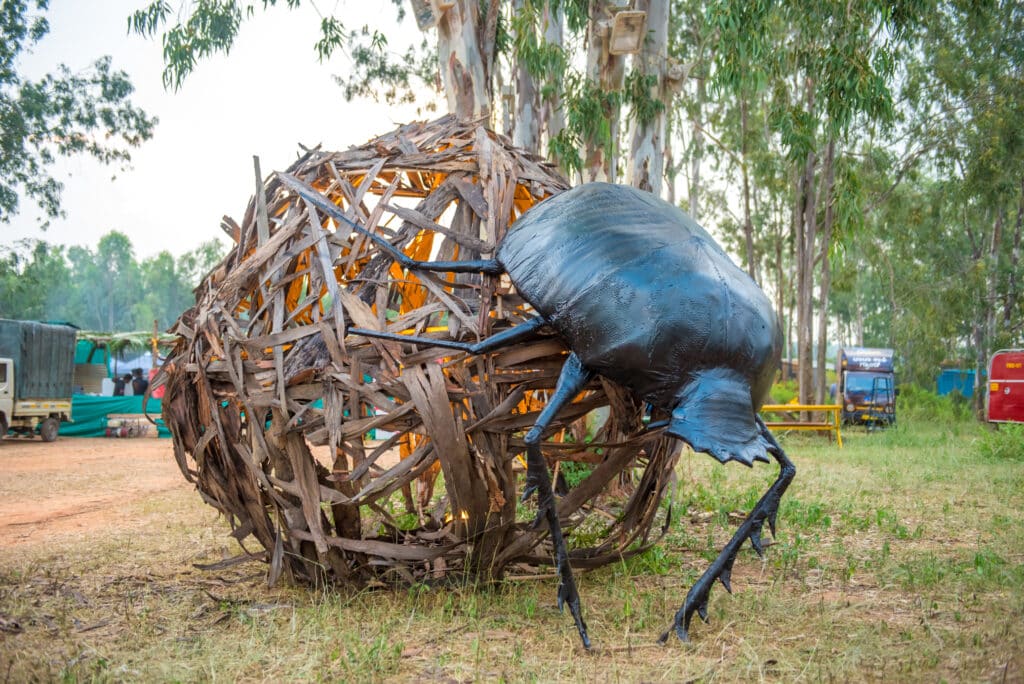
[(571, 382)]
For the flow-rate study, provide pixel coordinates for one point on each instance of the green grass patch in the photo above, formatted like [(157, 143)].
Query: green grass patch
[(897, 557)]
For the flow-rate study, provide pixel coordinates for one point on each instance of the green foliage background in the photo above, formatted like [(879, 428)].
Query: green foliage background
[(101, 289)]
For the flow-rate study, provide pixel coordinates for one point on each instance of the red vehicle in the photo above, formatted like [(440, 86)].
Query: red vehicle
[(1006, 386)]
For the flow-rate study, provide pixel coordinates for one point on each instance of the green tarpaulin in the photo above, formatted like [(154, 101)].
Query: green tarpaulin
[(90, 414)]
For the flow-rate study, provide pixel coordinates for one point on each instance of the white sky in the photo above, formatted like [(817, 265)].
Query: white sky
[(267, 96)]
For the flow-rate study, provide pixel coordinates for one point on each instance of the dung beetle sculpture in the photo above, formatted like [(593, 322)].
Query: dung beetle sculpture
[(643, 296)]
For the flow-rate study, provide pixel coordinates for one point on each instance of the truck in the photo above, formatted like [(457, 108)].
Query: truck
[(866, 386), (1006, 387), (37, 369)]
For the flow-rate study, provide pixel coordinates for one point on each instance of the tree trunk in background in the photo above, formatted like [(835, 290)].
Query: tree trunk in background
[(487, 35), (606, 71), (697, 150), (985, 335), (980, 367), (1012, 287), (805, 241), (826, 272), (526, 126), (461, 61), (110, 300), (671, 168), (748, 224), (552, 120), (780, 296), (789, 302), (858, 332), (646, 166)]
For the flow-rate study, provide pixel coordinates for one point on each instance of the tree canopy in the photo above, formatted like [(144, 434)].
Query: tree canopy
[(863, 159), (66, 112), (103, 289)]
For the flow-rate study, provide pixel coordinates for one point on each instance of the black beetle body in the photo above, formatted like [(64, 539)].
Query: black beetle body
[(645, 297)]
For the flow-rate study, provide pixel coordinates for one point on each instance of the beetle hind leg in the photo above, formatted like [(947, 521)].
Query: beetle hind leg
[(766, 510)]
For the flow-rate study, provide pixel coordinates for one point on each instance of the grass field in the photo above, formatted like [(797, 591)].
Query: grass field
[(898, 558)]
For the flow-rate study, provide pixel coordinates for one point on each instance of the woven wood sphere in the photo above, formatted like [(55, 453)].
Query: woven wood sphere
[(364, 461)]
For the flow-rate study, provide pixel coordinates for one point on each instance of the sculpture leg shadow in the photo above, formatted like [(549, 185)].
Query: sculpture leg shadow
[(767, 509), (571, 382)]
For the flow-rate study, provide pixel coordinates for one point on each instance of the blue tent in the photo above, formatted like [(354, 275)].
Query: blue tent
[(958, 379)]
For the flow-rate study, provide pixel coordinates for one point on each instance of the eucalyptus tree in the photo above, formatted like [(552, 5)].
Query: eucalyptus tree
[(34, 280), (936, 271), (107, 283), (824, 71), (569, 93), (101, 288), (645, 168), (538, 51), (740, 77), (967, 98)]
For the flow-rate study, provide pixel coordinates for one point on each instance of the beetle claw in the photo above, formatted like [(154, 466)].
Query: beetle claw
[(721, 568), (530, 490), (755, 541), (567, 595)]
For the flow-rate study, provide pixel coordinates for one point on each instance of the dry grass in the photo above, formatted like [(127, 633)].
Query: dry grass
[(898, 558)]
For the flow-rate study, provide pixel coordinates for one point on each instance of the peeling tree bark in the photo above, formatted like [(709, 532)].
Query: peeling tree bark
[(526, 126), (607, 72), (647, 163), (552, 119), (697, 152), (805, 241), (826, 271), (461, 62)]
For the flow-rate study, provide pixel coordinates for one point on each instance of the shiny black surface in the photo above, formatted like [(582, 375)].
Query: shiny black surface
[(645, 297)]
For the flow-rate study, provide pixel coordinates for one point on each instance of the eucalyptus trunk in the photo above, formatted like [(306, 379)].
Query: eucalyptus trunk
[(646, 161), (461, 61), (748, 224), (526, 125), (986, 336), (806, 237), (697, 148), (552, 119), (826, 271), (1011, 303), (606, 71)]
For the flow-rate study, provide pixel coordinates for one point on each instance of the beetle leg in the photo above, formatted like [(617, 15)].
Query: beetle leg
[(571, 382), (767, 509), (524, 331)]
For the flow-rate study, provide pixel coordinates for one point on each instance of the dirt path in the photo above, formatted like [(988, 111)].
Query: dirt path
[(78, 485)]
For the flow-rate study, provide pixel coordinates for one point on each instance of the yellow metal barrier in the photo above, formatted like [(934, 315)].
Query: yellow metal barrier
[(831, 424)]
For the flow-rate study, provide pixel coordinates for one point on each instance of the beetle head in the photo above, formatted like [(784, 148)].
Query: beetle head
[(714, 414)]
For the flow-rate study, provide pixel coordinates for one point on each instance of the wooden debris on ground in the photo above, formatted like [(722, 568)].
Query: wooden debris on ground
[(263, 370)]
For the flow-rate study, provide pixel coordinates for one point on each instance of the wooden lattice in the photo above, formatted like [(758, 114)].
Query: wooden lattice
[(271, 404)]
